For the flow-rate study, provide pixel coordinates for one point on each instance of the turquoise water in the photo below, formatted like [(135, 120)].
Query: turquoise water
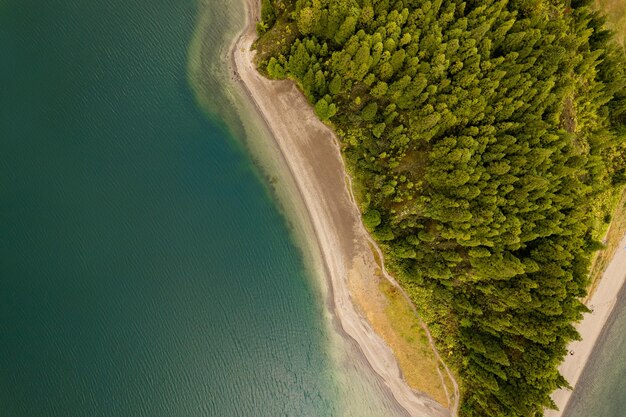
[(144, 268), (601, 391)]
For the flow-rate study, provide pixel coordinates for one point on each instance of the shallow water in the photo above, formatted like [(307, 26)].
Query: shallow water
[(145, 270)]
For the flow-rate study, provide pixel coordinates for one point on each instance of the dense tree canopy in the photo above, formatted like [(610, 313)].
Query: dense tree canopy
[(487, 139)]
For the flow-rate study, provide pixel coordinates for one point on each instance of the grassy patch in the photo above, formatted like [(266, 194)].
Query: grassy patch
[(613, 237), (393, 319), (615, 11), (410, 344)]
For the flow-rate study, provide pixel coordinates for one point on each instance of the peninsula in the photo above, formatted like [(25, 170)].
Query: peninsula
[(485, 141)]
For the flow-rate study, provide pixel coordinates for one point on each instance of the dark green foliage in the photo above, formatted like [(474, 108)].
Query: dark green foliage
[(274, 69), (485, 133), (267, 13), (371, 219), (324, 109), (369, 112)]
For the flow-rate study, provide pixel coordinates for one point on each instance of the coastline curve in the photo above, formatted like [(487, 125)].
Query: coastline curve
[(313, 157), (591, 328)]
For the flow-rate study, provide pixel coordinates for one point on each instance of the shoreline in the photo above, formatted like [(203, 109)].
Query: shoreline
[(313, 157), (584, 380), (592, 327)]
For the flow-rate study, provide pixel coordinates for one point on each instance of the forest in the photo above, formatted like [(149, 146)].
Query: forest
[(486, 143)]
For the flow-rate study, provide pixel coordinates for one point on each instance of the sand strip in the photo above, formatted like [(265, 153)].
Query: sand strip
[(314, 159), (590, 328)]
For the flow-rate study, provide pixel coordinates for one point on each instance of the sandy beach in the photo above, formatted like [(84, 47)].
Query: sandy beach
[(590, 328), (312, 154)]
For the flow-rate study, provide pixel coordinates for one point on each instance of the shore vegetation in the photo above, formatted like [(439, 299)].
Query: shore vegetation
[(487, 137)]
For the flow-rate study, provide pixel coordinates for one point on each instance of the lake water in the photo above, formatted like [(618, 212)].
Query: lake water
[(145, 269)]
